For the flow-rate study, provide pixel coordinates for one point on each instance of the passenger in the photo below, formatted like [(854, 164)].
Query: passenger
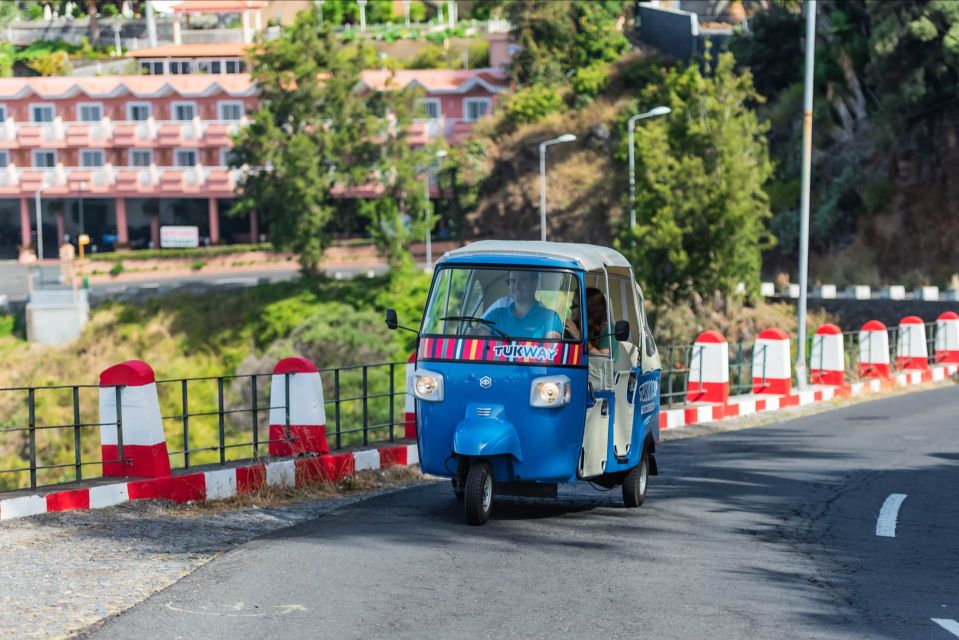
[(524, 316), (600, 342)]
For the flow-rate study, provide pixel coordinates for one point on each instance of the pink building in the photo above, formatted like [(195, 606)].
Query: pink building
[(117, 157)]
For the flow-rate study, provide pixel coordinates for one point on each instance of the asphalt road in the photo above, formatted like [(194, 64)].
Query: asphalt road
[(763, 533), (13, 281)]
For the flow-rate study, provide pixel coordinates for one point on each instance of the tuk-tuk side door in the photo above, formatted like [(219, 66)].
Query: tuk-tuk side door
[(648, 390), (626, 364)]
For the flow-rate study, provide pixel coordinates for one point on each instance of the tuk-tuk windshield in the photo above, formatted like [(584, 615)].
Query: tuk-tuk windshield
[(515, 304)]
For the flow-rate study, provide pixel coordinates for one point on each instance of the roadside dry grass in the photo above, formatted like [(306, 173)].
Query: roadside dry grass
[(271, 497)]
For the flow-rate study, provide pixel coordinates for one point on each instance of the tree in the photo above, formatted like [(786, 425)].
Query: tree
[(314, 133), (700, 173), (557, 38)]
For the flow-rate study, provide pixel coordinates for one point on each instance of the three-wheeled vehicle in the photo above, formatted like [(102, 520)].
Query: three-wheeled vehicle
[(535, 366)]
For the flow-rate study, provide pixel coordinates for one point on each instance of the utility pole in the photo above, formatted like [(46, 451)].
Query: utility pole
[(566, 137), (804, 194)]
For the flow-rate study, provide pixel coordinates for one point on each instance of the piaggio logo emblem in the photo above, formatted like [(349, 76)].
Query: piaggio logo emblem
[(486, 382)]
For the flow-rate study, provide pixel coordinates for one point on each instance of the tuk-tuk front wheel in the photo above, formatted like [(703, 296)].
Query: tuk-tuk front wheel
[(459, 477), (634, 484), (478, 496)]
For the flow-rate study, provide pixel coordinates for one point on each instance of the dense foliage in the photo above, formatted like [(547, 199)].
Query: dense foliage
[(701, 206), (314, 133), (557, 38)]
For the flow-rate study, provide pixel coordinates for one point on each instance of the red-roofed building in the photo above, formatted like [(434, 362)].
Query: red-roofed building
[(125, 155)]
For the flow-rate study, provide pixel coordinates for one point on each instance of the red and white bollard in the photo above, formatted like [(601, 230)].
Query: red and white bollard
[(826, 362), (410, 429), (874, 350), (307, 414), (709, 369), (947, 337), (771, 366), (911, 350), (140, 425)]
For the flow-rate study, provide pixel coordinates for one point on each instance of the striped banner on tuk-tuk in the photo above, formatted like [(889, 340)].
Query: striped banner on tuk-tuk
[(486, 350)]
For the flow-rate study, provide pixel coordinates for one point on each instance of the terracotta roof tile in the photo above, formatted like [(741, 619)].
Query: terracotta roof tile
[(438, 80), (141, 86)]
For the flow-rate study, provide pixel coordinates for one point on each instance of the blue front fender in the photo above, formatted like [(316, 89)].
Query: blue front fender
[(486, 437)]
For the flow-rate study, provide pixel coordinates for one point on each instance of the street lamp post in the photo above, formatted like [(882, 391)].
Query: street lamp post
[(566, 137), (652, 113), (82, 226), (39, 225), (439, 155), (804, 193)]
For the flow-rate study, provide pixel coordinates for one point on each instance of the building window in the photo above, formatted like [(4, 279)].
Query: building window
[(3, 113), (183, 110), (476, 108), (226, 156), (4, 159), (41, 113), (230, 110), (216, 66), (139, 111), (430, 108), (91, 158), (90, 112), (44, 159), (232, 66), (141, 157), (152, 67), (179, 67), (185, 157)]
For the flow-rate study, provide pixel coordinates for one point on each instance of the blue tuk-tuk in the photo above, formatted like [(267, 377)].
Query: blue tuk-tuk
[(535, 366)]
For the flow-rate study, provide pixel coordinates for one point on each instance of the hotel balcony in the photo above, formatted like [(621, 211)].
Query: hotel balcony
[(109, 181), (120, 133)]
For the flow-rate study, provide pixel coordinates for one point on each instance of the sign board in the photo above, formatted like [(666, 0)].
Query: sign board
[(179, 237)]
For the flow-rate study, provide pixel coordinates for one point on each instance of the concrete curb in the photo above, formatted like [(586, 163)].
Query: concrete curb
[(213, 485)]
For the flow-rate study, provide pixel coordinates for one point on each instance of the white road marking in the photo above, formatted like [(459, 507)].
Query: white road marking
[(949, 625), (886, 524), (247, 281)]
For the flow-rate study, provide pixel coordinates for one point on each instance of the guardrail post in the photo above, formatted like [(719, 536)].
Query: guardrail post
[(947, 337), (297, 412), (32, 435), (221, 419), (185, 415), (709, 369), (256, 418), (773, 375), (132, 443), (77, 458), (826, 360), (911, 350), (874, 350)]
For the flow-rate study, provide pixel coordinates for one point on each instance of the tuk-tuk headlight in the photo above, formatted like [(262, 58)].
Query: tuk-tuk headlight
[(551, 391), (428, 385)]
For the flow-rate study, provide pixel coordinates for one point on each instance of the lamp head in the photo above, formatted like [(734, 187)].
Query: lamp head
[(658, 111), (566, 137)]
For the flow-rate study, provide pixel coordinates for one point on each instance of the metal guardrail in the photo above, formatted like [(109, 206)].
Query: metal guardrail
[(48, 433), (45, 430)]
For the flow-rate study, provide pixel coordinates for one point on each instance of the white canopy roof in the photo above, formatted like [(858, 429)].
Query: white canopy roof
[(588, 256)]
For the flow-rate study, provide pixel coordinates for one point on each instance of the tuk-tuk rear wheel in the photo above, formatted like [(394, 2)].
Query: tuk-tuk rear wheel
[(479, 493), (634, 484)]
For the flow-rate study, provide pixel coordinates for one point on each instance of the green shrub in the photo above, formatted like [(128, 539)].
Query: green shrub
[(110, 10), (34, 11), (7, 323), (533, 104), (116, 269), (417, 11), (199, 264), (431, 57), (590, 82), (479, 54)]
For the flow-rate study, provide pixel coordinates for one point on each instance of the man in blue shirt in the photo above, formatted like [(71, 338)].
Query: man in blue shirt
[(524, 316)]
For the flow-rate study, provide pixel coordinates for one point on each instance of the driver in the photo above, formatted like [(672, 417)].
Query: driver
[(523, 316)]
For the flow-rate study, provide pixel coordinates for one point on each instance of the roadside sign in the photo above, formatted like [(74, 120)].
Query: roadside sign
[(179, 237)]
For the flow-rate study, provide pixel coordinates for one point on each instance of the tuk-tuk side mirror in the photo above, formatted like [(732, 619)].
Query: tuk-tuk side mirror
[(392, 323), (621, 330)]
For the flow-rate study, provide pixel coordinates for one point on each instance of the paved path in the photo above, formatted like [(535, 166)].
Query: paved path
[(763, 533)]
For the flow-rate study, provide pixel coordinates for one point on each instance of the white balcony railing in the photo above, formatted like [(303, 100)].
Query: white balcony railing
[(103, 131), (211, 36)]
